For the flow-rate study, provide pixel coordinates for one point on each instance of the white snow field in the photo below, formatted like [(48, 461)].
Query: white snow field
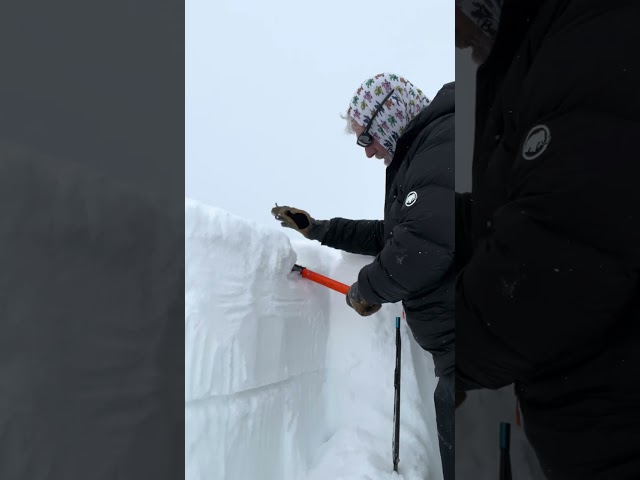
[(283, 381)]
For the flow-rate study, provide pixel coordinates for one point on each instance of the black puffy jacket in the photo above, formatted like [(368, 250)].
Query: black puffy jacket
[(549, 298), (414, 245)]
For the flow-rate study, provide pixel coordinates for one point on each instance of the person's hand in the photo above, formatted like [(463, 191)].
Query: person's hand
[(294, 218), (359, 304)]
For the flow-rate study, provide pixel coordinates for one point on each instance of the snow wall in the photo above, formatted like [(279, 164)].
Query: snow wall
[(282, 379), (91, 296)]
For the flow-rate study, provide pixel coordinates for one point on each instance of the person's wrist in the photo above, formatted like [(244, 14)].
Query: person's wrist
[(317, 229)]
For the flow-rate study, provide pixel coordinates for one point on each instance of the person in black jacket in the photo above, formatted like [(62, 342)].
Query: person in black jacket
[(548, 295), (414, 244)]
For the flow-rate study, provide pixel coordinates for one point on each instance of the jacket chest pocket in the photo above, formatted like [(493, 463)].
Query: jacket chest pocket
[(492, 190), (392, 214), (497, 175)]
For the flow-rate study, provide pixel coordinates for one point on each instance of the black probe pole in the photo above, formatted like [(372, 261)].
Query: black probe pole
[(396, 403), (505, 460)]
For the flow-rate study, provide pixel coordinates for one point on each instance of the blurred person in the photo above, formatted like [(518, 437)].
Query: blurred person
[(548, 239), (414, 245)]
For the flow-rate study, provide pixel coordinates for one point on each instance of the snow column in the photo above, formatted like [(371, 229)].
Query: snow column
[(255, 352)]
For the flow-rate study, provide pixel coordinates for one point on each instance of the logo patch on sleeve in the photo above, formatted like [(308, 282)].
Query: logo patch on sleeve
[(411, 199), (536, 142)]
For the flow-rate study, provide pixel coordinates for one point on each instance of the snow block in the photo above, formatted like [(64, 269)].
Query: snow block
[(255, 351), (247, 323)]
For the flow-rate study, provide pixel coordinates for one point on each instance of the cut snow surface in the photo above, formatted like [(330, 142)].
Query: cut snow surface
[(283, 380)]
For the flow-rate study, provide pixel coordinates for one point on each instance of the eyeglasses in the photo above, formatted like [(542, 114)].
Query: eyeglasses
[(365, 138)]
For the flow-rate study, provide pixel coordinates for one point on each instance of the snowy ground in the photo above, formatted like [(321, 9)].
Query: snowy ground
[(283, 381)]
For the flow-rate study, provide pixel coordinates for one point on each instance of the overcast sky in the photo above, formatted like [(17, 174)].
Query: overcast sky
[(266, 83)]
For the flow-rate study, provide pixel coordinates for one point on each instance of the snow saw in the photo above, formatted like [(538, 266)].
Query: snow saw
[(321, 279)]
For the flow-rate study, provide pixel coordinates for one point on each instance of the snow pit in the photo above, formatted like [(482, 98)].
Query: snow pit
[(283, 381)]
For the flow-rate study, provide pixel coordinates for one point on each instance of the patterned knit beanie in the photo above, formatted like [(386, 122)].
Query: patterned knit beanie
[(485, 14), (399, 109)]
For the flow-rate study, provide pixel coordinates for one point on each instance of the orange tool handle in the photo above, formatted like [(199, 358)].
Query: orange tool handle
[(326, 281)]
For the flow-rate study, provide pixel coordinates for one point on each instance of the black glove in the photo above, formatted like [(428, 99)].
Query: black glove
[(301, 221), (359, 304)]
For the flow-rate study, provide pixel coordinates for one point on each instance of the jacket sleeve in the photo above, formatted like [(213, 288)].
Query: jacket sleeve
[(421, 249), (551, 283), (364, 237), (463, 230)]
